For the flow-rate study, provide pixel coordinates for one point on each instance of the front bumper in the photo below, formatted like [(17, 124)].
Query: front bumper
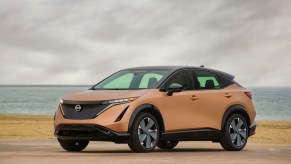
[(252, 129), (89, 132)]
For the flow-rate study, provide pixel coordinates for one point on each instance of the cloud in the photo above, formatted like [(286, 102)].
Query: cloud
[(81, 42)]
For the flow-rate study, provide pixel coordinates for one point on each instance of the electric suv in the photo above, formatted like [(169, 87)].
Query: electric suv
[(149, 107)]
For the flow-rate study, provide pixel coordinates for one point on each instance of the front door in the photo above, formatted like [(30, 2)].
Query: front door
[(180, 109)]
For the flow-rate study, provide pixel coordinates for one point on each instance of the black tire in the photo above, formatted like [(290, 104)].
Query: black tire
[(143, 139), (167, 144), (234, 136), (70, 145)]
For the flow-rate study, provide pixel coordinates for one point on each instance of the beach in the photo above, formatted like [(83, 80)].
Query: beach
[(30, 139), (41, 127)]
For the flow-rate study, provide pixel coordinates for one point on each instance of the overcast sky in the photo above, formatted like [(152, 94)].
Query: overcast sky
[(81, 42)]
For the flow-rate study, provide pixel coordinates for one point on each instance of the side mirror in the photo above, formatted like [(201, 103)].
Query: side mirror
[(174, 88)]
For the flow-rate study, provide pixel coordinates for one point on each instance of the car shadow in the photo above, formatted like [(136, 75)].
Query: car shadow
[(158, 150)]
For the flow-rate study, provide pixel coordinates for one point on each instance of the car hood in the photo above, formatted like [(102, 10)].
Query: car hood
[(98, 95)]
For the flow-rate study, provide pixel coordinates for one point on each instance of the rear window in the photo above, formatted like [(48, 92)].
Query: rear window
[(208, 80)]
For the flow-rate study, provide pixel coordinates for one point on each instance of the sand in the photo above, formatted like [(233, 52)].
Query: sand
[(41, 127), (29, 139), (26, 126)]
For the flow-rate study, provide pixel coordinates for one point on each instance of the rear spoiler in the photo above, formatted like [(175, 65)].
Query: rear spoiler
[(229, 76)]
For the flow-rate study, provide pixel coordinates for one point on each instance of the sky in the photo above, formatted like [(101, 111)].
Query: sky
[(83, 41)]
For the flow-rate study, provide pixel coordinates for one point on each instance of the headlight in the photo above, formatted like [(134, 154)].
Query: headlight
[(61, 101), (120, 101)]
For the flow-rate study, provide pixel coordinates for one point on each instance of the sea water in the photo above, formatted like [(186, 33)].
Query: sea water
[(271, 103)]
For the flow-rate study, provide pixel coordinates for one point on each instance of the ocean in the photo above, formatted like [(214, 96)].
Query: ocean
[(272, 103)]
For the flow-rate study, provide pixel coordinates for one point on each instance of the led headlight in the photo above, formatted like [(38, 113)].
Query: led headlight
[(120, 101)]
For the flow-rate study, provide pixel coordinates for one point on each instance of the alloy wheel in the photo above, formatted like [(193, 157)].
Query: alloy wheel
[(238, 132), (147, 133)]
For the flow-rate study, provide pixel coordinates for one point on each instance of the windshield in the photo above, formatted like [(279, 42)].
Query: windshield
[(131, 80)]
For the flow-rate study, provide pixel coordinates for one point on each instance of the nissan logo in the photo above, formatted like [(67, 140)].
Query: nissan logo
[(78, 108)]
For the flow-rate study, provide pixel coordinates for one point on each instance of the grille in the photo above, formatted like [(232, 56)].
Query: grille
[(88, 111), (74, 133)]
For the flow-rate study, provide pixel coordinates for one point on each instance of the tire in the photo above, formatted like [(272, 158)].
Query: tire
[(235, 133), (73, 145), (167, 144), (145, 133)]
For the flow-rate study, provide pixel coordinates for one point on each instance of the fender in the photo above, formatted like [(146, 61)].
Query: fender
[(235, 109), (146, 108)]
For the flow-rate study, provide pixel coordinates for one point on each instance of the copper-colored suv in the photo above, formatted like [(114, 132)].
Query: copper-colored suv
[(158, 106)]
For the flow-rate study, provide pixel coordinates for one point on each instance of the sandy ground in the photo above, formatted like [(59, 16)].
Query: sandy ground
[(25, 126), (29, 139), (48, 151)]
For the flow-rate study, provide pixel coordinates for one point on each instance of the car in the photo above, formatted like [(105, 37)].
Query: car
[(158, 106)]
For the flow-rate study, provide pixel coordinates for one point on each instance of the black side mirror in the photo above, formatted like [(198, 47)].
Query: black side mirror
[(174, 88)]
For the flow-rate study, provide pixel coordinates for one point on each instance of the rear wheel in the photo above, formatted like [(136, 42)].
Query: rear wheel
[(70, 145), (167, 144), (235, 133), (145, 133)]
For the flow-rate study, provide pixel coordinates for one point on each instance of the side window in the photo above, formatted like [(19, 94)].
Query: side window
[(149, 80), (120, 82), (182, 77), (208, 80)]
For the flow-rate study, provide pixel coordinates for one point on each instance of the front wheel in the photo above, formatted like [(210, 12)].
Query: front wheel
[(167, 144), (70, 145), (235, 133), (144, 134)]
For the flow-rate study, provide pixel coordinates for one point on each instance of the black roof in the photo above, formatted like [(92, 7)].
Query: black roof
[(176, 68)]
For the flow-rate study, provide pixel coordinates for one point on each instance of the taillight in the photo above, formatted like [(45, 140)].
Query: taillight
[(249, 94)]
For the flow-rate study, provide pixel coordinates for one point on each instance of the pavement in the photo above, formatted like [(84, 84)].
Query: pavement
[(42, 151)]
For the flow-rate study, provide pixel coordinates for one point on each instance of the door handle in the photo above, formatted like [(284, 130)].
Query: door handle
[(194, 97), (227, 95)]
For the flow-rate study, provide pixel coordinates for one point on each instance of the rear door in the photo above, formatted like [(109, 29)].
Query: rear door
[(212, 97)]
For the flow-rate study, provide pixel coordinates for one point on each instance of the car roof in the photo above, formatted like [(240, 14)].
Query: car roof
[(176, 68)]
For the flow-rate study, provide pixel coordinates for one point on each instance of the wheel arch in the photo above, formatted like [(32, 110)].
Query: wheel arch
[(149, 108), (235, 109)]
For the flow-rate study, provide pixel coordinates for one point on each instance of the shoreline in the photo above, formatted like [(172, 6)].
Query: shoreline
[(41, 127)]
